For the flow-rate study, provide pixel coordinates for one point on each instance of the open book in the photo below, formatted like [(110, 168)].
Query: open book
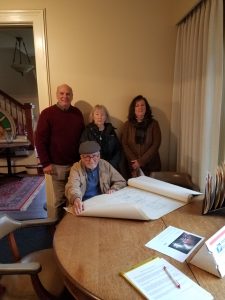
[(144, 198)]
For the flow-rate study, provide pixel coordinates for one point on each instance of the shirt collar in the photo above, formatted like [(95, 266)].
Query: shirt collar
[(60, 107)]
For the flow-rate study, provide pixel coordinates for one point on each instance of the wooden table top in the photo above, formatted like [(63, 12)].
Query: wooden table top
[(14, 144), (93, 251)]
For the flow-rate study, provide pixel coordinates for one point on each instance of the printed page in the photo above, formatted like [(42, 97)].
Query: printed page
[(175, 243), (130, 203), (159, 280), (162, 188)]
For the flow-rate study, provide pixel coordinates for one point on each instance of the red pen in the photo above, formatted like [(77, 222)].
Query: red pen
[(176, 283)]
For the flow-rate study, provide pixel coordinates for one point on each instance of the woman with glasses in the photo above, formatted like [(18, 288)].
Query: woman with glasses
[(102, 131), (91, 176)]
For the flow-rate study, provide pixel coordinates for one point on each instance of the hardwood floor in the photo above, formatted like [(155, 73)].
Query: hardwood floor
[(34, 211)]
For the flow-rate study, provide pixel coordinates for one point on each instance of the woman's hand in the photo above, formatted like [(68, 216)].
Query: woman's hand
[(78, 206), (135, 164)]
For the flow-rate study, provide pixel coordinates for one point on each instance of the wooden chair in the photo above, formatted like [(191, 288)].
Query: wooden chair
[(35, 276), (181, 179)]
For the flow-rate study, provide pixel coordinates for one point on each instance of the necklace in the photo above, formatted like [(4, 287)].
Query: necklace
[(100, 134)]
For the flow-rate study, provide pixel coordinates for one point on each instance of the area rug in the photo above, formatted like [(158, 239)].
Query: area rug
[(18, 194)]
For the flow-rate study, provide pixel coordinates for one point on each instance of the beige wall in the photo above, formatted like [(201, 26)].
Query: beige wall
[(112, 50)]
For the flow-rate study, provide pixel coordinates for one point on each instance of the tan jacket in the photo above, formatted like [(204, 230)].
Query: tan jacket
[(109, 178)]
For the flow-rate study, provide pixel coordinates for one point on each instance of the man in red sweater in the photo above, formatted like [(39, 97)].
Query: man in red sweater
[(57, 139)]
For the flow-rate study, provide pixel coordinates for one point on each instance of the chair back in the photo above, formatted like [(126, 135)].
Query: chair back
[(181, 179), (45, 280), (8, 225)]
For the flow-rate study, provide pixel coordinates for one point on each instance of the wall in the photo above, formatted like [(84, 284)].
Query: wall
[(112, 50)]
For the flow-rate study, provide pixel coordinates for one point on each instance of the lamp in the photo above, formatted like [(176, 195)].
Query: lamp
[(21, 61)]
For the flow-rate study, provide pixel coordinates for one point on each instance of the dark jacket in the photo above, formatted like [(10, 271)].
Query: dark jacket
[(107, 139)]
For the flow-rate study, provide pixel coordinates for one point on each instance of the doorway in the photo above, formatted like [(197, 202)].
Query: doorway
[(18, 78), (33, 87), (36, 19)]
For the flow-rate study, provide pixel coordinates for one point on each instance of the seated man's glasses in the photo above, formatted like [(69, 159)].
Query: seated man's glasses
[(89, 157)]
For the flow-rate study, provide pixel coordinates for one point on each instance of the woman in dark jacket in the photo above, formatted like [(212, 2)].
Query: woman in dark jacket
[(102, 131)]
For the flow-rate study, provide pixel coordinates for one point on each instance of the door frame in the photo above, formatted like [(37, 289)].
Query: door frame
[(36, 19)]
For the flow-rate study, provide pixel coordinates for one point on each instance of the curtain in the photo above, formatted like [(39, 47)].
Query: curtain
[(197, 92)]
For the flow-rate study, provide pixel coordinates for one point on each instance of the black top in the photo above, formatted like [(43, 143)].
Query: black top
[(107, 139)]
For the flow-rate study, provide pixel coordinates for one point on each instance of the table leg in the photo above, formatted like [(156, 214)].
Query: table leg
[(8, 159), (9, 164)]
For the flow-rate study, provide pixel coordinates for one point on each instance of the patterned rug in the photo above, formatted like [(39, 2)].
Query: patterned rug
[(18, 193)]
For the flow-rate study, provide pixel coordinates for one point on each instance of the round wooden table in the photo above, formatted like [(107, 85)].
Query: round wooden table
[(93, 251)]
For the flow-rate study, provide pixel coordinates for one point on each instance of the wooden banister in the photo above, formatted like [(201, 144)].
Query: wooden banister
[(21, 114), (17, 103)]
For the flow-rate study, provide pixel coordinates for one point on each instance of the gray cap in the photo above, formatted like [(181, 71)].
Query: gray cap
[(89, 147)]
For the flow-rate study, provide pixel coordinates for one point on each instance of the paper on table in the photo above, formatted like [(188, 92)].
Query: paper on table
[(175, 243), (111, 211), (153, 282), (163, 188), (130, 203), (144, 198)]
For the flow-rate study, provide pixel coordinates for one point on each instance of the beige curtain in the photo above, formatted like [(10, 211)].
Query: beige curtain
[(197, 92)]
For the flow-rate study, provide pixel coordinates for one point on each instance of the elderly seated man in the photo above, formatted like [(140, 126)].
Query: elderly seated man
[(91, 176)]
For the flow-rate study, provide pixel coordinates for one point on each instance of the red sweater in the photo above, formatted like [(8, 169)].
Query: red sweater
[(58, 134)]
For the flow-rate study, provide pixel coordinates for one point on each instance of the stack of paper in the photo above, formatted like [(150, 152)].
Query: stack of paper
[(214, 191)]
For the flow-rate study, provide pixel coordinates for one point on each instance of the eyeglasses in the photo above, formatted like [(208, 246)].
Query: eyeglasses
[(89, 157)]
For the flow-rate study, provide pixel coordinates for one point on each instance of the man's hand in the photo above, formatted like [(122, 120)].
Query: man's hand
[(48, 170), (110, 191), (78, 206)]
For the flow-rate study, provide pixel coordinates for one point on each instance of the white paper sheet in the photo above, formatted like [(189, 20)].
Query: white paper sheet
[(144, 199), (163, 188), (175, 243), (155, 284), (130, 203)]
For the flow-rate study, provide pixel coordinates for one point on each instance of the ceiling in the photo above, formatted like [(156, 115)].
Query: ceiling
[(8, 37)]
